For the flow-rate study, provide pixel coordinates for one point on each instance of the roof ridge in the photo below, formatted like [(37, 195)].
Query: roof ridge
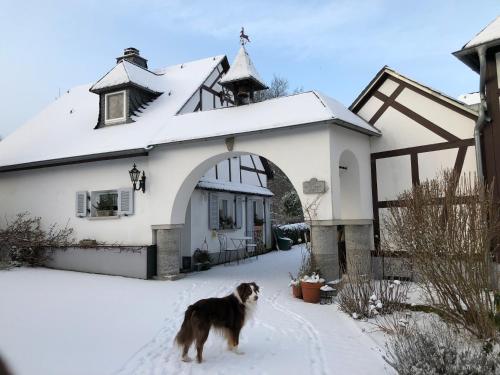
[(138, 66)]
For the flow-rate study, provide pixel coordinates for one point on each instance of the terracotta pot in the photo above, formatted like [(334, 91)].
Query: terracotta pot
[(310, 291), (297, 291)]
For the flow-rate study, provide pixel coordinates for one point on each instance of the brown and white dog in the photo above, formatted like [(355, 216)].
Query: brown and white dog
[(227, 314)]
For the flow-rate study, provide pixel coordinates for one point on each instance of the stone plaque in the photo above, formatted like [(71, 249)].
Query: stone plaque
[(314, 186)]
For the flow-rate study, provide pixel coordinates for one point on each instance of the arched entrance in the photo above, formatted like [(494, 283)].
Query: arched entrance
[(307, 155)]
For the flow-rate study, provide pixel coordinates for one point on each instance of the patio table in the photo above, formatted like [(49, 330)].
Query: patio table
[(239, 243)]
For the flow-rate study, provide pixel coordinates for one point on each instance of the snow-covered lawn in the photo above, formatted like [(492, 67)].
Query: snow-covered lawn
[(58, 322)]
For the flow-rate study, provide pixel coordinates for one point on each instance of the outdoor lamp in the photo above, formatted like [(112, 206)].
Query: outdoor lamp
[(134, 177)]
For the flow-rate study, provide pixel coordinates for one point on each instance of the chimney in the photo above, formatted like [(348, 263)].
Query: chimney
[(132, 55)]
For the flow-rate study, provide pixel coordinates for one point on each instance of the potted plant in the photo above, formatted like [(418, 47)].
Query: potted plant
[(296, 287), (104, 207), (258, 222), (201, 260), (226, 222), (310, 286)]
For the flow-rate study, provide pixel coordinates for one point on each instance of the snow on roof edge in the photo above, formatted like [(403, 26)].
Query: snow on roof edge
[(396, 74), (210, 184)]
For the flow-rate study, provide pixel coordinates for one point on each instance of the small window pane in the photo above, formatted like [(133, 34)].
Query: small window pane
[(114, 103)]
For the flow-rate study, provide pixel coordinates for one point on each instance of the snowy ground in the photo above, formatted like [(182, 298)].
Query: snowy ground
[(58, 322)]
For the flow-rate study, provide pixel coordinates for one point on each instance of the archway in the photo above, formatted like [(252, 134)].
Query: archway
[(230, 200)]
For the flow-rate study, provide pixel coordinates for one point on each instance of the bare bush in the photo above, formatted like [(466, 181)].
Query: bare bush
[(436, 349), (363, 297), (448, 229), (397, 323), (27, 243)]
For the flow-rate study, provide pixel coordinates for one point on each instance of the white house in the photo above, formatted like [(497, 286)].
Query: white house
[(202, 142)]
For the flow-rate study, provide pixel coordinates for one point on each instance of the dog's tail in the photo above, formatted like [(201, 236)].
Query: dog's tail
[(185, 334)]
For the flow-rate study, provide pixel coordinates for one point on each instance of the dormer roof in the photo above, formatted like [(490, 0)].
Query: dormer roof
[(487, 37), (126, 73), (243, 69)]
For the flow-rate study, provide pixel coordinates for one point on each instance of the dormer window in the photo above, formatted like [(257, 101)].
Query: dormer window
[(115, 107), (126, 90)]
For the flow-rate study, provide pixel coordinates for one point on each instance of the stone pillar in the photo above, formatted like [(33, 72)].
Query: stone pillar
[(168, 243), (325, 250), (358, 244)]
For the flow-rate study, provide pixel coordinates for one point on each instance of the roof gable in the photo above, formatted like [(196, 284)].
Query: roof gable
[(386, 72), (126, 73)]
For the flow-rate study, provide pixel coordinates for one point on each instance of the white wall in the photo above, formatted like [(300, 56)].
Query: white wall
[(346, 204), (50, 194), (172, 173)]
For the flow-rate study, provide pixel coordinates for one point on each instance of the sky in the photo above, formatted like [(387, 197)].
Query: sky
[(337, 46)]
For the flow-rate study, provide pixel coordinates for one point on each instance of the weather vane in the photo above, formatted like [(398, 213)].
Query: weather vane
[(244, 39)]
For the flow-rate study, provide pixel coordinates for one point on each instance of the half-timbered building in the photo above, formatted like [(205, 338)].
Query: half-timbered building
[(203, 142)]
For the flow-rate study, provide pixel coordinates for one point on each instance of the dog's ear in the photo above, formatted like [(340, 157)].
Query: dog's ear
[(255, 286)]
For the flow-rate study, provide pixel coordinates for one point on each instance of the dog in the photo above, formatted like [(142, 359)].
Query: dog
[(227, 314)]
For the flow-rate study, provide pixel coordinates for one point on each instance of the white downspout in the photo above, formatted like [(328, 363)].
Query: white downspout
[(482, 119)]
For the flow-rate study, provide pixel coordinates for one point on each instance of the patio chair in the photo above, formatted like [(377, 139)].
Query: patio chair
[(251, 250)]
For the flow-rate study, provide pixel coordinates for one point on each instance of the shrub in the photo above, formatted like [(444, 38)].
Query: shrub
[(296, 232), (437, 349), (28, 244), (447, 228), (201, 256), (362, 297)]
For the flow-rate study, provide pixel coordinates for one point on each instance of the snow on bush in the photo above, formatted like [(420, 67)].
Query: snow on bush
[(436, 349), (296, 232), (361, 297)]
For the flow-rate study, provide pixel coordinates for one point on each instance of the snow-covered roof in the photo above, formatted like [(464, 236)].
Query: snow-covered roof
[(211, 184), (65, 129), (487, 37), (242, 68), (128, 73), (470, 98), (299, 109), (488, 34)]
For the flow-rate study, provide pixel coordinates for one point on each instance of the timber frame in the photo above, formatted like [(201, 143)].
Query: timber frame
[(452, 141)]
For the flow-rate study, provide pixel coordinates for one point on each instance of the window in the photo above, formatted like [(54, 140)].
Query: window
[(104, 203), (226, 214), (115, 107), (115, 203)]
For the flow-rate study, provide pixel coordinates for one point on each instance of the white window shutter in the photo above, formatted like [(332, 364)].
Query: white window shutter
[(82, 203), (239, 211), (126, 201), (213, 211), (249, 218)]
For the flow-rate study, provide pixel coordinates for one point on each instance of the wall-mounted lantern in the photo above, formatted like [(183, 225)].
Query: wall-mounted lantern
[(134, 177)]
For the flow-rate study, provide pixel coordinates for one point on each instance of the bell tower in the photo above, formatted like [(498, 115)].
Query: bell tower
[(242, 79)]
